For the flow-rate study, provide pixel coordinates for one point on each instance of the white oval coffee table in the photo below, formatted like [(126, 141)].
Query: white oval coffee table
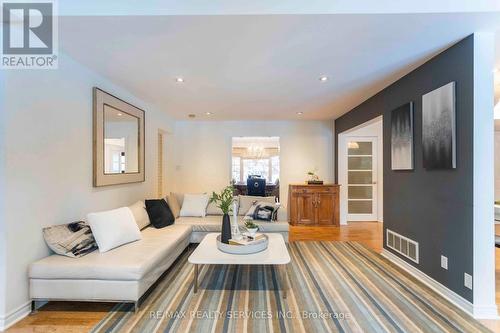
[(207, 253)]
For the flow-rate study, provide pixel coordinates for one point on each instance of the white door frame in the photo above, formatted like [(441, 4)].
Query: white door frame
[(344, 188), (342, 170)]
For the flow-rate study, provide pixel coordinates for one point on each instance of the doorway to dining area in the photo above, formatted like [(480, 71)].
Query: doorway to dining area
[(255, 166)]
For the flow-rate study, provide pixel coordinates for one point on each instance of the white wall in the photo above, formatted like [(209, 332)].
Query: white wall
[(497, 165), (48, 171), (203, 151), (372, 128), (3, 245)]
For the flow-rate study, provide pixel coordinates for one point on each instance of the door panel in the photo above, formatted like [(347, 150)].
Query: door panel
[(360, 207), (357, 163), (325, 204), (360, 177), (305, 208), (360, 192), (360, 148)]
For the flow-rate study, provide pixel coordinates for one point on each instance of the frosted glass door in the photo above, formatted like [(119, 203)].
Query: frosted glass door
[(361, 176)]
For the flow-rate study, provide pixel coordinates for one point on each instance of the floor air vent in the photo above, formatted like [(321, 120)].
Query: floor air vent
[(402, 245)]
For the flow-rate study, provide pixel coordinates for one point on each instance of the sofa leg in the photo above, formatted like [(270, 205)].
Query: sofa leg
[(136, 307), (33, 307)]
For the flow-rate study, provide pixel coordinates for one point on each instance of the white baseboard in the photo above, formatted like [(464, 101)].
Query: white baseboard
[(14, 316), (478, 312)]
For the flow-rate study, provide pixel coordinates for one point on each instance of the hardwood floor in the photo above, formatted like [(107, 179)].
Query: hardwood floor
[(67, 317), (367, 233), (76, 317)]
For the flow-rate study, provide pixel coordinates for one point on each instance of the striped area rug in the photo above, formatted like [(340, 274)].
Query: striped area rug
[(335, 287)]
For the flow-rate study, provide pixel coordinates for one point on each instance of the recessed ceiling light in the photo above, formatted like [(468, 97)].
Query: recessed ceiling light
[(208, 113), (179, 79), (119, 114), (323, 78), (300, 113)]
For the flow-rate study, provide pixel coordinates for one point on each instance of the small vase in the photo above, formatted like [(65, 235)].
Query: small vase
[(226, 229), (252, 231)]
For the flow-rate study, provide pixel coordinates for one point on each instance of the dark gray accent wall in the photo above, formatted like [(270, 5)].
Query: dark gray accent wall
[(433, 207)]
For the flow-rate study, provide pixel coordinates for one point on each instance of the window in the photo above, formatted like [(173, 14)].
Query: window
[(256, 167), (236, 169), (275, 168)]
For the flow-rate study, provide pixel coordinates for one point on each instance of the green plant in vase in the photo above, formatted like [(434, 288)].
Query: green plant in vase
[(251, 227), (224, 201), (313, 178)]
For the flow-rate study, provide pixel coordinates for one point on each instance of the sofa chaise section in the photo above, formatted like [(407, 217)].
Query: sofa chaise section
[(123, 274)]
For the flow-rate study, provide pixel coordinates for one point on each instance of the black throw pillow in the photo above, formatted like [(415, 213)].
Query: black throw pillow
[(159, 213)]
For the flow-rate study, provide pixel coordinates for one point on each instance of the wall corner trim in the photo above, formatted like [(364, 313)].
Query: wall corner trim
[(483, 170), (14, 316), (477, 311)]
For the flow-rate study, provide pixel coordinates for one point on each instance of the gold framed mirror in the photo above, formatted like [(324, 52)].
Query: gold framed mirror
[(118, 141)]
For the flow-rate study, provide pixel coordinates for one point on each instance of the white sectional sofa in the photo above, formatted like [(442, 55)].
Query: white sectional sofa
[(125, 273)]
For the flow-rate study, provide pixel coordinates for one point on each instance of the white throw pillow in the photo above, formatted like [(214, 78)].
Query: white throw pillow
[(140, 214), (113, 228), (194, 205)]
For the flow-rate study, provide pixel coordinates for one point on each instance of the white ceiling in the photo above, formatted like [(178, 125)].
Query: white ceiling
[(266, 7), (262, 66)]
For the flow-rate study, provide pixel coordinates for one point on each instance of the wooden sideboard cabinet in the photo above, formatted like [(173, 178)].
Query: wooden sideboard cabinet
[(314, 204)]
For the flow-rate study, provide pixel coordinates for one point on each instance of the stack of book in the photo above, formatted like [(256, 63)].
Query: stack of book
[(248, 240)]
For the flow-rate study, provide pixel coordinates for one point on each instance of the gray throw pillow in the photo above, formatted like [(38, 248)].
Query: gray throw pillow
[(72, 240), (263, 211), (246, 202), (173, 204)]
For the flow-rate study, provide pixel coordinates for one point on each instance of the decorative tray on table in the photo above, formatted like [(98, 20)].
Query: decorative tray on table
[(244, 246)]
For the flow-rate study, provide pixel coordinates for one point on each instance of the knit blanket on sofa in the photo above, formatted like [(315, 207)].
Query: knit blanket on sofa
[(72, 240)]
